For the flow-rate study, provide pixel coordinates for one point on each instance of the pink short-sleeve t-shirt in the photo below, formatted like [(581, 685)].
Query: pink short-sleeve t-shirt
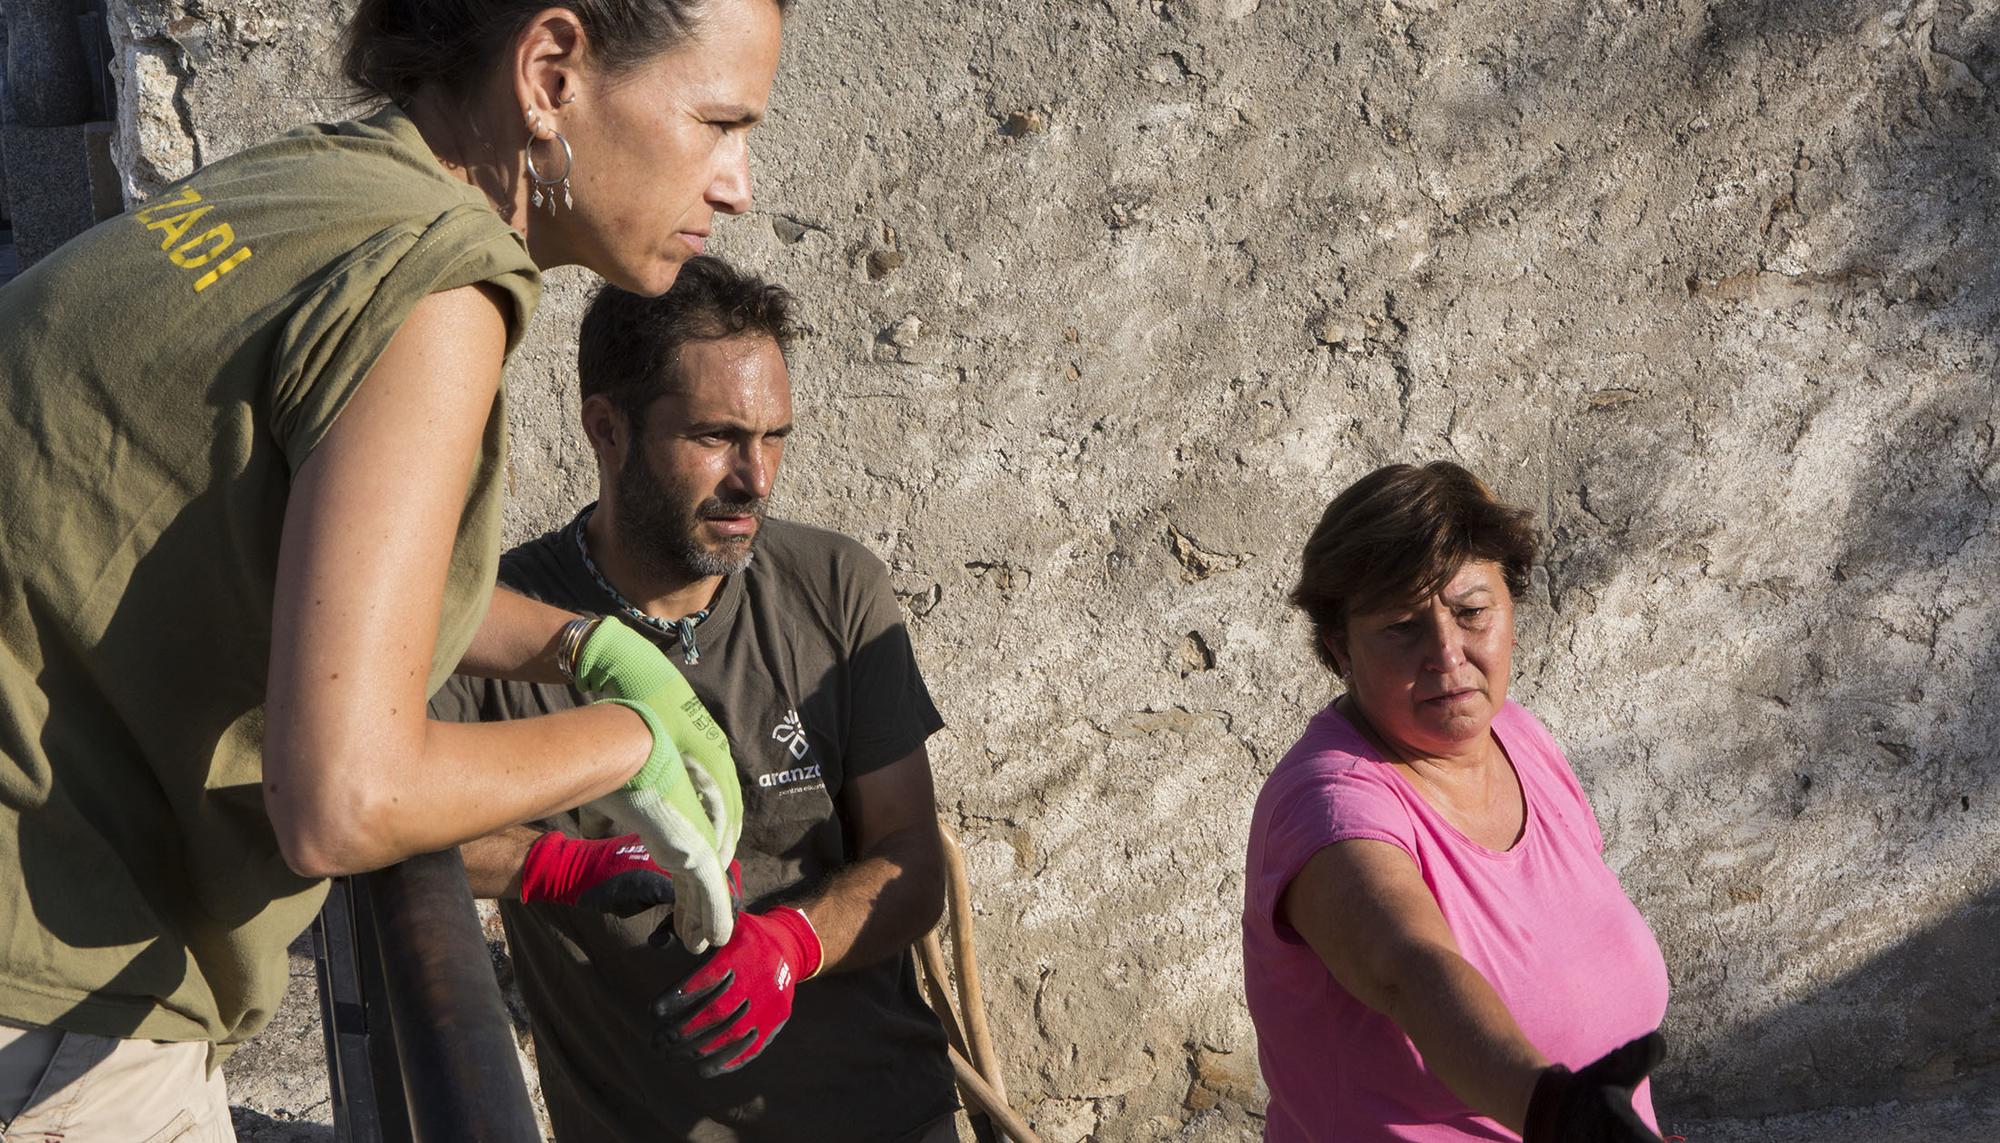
[(1546, 923)]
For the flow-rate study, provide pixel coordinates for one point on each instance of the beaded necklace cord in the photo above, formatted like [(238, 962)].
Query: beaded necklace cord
[(683, 628)]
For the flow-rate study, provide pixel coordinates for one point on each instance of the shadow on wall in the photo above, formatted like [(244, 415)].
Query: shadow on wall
[(1917, 1019), (1878, 259), (1927, 1003), (1883, 809), (1911, 163), (1898, 767)]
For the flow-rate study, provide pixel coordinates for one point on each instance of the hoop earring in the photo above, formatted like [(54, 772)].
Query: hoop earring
[(549, 183)]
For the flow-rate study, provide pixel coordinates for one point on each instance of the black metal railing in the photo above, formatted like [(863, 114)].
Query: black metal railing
[(419, 1047)]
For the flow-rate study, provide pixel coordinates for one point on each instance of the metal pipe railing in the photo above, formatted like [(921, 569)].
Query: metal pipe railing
[(367, 1085), (422, 963)]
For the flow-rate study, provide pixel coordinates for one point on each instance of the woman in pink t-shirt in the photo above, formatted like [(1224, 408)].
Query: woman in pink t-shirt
[(1431, 937)]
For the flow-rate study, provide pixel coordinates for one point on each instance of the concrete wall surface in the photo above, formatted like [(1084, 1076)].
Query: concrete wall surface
[(1107, 299)]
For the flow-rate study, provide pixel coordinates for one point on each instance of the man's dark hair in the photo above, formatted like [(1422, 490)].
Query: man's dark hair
[(1397, 536), (394, 47), (629, 346)]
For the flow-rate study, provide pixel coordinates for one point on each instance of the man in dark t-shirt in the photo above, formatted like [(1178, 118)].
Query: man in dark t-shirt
[(808, 1024)]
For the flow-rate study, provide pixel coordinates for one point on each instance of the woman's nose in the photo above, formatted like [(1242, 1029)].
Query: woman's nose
[(1447, 649)]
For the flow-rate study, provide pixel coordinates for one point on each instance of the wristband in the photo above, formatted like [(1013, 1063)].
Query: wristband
[(569, 644)]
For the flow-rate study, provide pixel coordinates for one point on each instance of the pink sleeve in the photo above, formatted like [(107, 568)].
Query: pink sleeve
[(1325, 800)]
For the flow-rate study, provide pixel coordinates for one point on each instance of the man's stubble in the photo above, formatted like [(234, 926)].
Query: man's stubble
[(657, 525)]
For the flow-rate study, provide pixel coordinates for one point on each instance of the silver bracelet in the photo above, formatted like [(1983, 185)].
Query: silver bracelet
[(569, 645)]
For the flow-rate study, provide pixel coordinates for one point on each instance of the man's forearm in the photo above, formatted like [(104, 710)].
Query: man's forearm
[(880, 904), (493, 862)]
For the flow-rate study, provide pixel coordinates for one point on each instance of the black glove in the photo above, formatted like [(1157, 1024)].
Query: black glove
[(1595, 1104)]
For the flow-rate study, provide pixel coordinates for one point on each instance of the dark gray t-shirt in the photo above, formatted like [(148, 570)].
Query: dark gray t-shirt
[(806, 664)]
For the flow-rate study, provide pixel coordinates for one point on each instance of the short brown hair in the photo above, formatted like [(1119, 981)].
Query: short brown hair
[(1397, 536)]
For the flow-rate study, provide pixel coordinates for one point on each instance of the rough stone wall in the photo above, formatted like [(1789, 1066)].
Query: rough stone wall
[(1107, 299)]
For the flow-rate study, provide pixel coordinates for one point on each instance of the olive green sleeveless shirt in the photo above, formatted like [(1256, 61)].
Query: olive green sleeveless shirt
[(161, 379)]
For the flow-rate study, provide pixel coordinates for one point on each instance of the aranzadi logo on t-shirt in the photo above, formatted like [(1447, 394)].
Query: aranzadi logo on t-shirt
[(791, 734)]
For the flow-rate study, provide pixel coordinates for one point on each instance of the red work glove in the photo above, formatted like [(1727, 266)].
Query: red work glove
[(613, 874), (738, 1000)]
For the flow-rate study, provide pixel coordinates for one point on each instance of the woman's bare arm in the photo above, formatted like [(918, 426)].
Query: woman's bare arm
[(355, 776), (516, 640), (1366, 911)]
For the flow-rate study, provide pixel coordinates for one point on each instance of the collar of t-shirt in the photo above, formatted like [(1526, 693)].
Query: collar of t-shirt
[(590, 595)]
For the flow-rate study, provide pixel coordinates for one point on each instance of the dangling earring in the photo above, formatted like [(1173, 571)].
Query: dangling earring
[(548, 183)]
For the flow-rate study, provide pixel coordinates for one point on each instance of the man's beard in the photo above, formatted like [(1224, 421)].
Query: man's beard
[(659, 533)]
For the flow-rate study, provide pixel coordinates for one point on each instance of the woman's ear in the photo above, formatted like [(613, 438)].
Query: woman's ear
[(1335, 648), (547, 54)]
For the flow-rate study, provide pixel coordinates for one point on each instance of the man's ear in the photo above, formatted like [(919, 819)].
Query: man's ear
[(607, 429)]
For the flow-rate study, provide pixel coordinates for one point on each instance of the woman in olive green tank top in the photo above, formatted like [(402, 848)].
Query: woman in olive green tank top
[(244, 538)]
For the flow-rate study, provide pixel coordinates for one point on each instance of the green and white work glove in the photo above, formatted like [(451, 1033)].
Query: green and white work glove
[(684, 803)]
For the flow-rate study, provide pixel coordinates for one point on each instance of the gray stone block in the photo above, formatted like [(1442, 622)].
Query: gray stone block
[(60, 182), (48, 71)]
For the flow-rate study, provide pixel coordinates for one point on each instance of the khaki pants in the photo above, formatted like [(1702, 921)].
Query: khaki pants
[(57, 1085)]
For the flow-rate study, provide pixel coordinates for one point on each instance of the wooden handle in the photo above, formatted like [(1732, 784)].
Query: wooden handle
[(990, 1101)]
